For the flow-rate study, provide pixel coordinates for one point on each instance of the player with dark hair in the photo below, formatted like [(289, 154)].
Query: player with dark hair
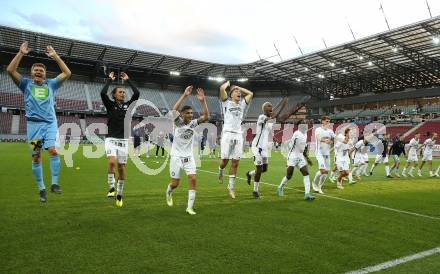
[(396, 150), (116, 144), (382, 157), (342, 161), (260, 142), (298, 157), (39, 101), (182, 156), (324, 137)]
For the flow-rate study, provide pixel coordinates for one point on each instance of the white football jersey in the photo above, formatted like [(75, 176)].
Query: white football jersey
[(342, 150), (183, 138), (413, 145), (264, 127), (321, 147), (298, 143), (429, 144), (360, 148), (233, 115)]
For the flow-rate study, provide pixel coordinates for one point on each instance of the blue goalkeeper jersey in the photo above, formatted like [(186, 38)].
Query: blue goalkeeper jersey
[(39, 100)]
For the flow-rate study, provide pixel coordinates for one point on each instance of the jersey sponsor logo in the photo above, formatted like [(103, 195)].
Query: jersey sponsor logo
[(40, 92), (235, 111)]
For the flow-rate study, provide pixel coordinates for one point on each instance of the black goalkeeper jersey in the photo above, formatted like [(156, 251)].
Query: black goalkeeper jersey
[(116, 112)]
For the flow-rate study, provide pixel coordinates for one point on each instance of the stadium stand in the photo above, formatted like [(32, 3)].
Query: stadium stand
[(428, 126), (5, 122)]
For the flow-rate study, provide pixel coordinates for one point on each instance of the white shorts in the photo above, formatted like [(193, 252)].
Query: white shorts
[(296, 161), (231, 146), (117, 148), (343, 165), (178, 163), (380, 159), (412, 157), (358, 160), (323, 161), (260, 156), (427, 157), (365, 157)]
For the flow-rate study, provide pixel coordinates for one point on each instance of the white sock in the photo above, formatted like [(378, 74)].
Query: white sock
[(350, 176), (332, 174), (317, 175), (252, 173), (306, 181), (191, 197), (111, 180), (220, 171), (354, 170), (438, 170), (404, 170), (283, 182), (322, 180), (231, 181), (364, 168), (120, 187), (387, 170), (430, 173), (372, 168), (169, 189), (256, 184), (411, 170)]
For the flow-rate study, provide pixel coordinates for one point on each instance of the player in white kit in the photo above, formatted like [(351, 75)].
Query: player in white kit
[(412, 159), (260, 142), (182, 157), (427, 154), (382, 156), (342, 151), (360, 149), (298, 157), (324, 137), (231, 146), (341, 138)]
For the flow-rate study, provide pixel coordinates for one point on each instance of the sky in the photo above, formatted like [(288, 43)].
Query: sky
[(226, 32)]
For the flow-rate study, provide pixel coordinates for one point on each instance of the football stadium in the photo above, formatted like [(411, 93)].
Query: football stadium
[(121, 157)]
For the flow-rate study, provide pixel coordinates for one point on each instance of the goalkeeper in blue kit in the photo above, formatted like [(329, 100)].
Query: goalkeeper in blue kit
[(39, 101)]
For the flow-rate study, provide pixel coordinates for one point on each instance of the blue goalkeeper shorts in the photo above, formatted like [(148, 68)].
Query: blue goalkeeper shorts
[(41, 135)]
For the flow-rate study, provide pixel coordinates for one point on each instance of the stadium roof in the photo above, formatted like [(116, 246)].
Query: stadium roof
[(406, 57), (11, 38)]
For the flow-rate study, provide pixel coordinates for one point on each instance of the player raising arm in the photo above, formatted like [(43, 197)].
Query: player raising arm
[(39, 100), (182, 157), (233, 107), (116, 145)]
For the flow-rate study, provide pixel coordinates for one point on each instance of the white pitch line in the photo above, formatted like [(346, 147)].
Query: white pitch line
[(347, 200), (395, 262)]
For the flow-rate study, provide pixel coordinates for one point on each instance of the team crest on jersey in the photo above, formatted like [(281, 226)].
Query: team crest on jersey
[(187, 134)]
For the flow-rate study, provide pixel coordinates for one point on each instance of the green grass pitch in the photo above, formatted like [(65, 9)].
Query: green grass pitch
[(81, 230)]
